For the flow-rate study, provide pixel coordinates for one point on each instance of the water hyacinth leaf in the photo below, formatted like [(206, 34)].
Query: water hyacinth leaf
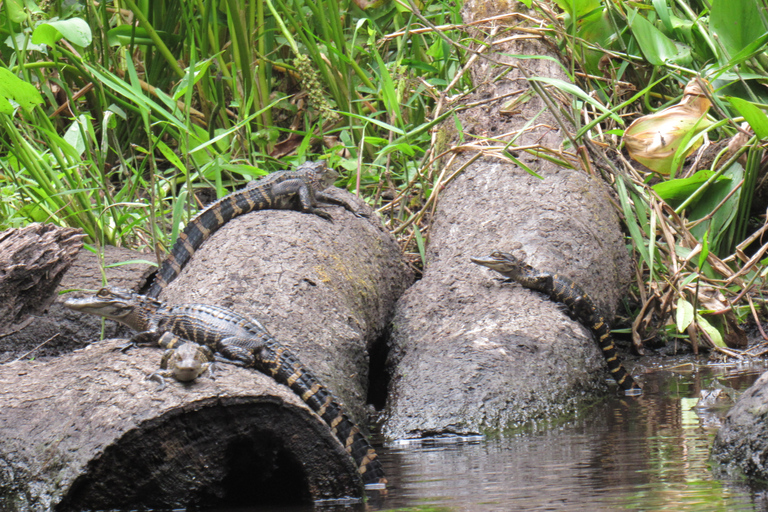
[(736, 24), (657, 47), (74, 30), (16, 89), (683, 315), (752, 114)]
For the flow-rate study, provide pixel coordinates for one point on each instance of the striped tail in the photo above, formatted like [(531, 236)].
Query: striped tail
[(622, 377), (576, 299), (285, 368), (201, 227)]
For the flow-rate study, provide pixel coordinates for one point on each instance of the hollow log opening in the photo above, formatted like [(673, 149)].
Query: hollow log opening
[(222, 455), (378, 373)]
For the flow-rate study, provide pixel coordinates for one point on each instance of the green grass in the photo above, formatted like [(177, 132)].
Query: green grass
[(112, 120)]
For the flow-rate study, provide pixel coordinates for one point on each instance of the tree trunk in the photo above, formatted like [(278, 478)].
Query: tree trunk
[(87, 431)]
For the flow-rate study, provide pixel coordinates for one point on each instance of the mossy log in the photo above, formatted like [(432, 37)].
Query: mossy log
[(89, 431)]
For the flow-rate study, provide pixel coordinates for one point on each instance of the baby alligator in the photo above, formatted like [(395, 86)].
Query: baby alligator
[(562, 289), (299, 190), (235, 339), (183, 360)]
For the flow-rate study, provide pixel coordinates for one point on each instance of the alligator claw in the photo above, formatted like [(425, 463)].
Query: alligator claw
[(125, 347), (157, 378)]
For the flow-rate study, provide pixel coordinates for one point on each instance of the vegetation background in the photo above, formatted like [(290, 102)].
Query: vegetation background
[(126, 117)]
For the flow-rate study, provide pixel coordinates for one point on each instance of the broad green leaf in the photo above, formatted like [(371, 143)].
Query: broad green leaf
[(16, 89), (683, 315), (74, 30), (754, 115), (736, 24), (755, 47), (709, 200), (710, 329), (15, 10), (664, 15), (578, 8), (23, 42), (676, 191), (74, 135), (656, 47)]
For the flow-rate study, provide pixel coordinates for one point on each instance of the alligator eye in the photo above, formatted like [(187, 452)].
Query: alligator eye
[(102, 293)]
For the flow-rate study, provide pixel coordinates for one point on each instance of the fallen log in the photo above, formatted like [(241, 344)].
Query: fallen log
[(33, 260), (88, 431)]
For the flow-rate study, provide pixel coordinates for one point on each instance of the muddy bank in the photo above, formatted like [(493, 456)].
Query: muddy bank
[(469, 354)]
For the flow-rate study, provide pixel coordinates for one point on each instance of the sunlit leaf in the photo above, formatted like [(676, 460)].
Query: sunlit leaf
[(715, 194), (657, 47), (736, 23), (704, 249), (74, 30), (16, 89), (753, 115), (677, 190), (15, 10), (711, 331), (683, 315)]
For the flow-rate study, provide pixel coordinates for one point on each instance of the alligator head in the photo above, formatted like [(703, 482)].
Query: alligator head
[(502, 262), (124, 306)]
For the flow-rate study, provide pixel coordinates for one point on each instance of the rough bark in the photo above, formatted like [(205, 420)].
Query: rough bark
[(326, 290), (32, 262), (469, 354), (87, 431), (741, 445), (58, 330)]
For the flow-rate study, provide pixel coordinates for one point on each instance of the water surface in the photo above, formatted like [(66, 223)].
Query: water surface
[(639, 453)]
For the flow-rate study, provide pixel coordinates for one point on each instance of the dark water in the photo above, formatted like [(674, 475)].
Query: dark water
[(641, 453)]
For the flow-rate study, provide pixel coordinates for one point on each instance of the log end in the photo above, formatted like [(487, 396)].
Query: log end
[(235, 451)]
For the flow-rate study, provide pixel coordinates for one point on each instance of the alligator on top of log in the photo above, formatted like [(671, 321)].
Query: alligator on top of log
[(301, 190), (561, 289), (239, 340)]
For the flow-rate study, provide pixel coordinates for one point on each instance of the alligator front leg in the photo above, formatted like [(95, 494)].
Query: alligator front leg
[(140, 339), (330, 200), (239, 351)]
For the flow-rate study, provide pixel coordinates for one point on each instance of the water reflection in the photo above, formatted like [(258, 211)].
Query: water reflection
[(641, 453), (644, 453)]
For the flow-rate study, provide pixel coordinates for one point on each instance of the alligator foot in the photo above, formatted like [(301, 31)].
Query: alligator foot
[(125, 347), (157, 377)]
